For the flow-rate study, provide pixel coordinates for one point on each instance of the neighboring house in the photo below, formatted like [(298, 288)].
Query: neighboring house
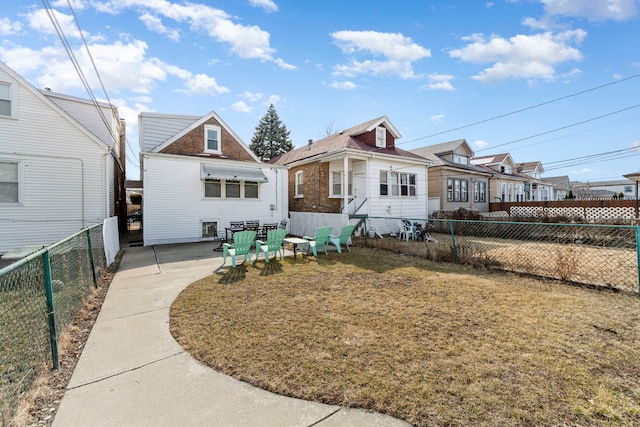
[(453, 181), (506, 184), (561, 186), (604, 189), (61, 163), (358, 171), (198, 176), (536, 188)]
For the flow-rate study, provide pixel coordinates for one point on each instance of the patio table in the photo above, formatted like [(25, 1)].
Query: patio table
[(295, 241)]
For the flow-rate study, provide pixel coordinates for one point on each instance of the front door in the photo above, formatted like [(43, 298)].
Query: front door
[(359, 193)]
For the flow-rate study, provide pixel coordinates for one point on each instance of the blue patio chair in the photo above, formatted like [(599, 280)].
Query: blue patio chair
[(343, 238), (242, 244), (275, 239), (323, 234)]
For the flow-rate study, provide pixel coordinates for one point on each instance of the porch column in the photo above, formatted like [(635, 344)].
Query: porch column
[(345, 185)]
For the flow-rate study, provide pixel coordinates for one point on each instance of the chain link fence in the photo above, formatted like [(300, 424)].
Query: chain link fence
[(39, 297), (588, 254)]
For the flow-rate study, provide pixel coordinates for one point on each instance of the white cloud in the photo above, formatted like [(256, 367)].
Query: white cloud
[(437, 119), (343, 85), (528, 57), (267, 5), (241, 107), (593, 10), (480, 144), (439, 81), (635, 145), (39, 21), (247, 42), (8, 27), (123, 66), (153, 23), (75, 4), (273, 99), (201, 84), (398, 52), (251, 96)]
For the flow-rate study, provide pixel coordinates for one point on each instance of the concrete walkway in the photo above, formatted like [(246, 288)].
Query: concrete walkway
[(132, 372)]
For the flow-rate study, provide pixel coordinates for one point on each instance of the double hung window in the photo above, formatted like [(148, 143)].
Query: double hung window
[(397, 184), (457, 190)]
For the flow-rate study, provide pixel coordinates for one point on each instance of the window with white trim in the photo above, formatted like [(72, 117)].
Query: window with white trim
[(9, 182), (479, 191), (209, 229), (223, 189), (299, 184), (381, 137), (336, 184), (457, 190), (463, 160), (212, 139), (5, 100), (398, 184)]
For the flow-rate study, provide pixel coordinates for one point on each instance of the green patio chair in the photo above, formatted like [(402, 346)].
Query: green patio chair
[(275, 238), (343, 238), (321, 239), (242, 244)]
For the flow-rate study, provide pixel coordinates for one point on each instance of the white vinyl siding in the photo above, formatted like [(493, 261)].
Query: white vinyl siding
[(175, 206), (62, 189)]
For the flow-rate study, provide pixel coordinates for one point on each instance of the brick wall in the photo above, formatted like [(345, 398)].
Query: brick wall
[(316, 190), (193, 144)]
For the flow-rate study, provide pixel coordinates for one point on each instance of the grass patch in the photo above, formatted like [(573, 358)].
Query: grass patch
[(430, 343)]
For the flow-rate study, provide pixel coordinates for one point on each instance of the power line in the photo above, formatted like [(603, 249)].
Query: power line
[(562, 127), (522, 109)]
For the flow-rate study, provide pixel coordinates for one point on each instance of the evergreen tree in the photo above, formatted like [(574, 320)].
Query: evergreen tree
[(271, 137)]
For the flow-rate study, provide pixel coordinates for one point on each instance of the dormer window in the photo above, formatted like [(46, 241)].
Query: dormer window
[(212, 139), (381, 137), (463, 160)]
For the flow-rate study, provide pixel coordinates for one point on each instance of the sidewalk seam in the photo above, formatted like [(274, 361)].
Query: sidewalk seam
[(136, 314), (126, 371), (325, 417)]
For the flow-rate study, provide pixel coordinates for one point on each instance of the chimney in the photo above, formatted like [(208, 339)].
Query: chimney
[(310, 142)]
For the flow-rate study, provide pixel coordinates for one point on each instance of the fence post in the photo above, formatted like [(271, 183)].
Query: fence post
[(638, 255), (93, 266), (48, 288), (453, 242)]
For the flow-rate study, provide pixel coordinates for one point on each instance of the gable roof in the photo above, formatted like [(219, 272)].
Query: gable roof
[(530, 166), (492, 159), (435, 151), (156, 128), (68, 117), (343, 141), (194, 125)]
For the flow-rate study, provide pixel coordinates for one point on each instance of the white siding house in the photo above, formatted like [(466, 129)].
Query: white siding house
[(193, 191), (58, 174), (383, 183)]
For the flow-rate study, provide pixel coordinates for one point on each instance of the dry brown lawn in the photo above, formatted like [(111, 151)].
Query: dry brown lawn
[(430, 343)]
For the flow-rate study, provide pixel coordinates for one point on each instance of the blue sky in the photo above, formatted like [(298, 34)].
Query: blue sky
[(434, 68)]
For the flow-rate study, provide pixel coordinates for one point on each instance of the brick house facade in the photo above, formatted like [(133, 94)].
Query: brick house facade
[(342, 173)]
